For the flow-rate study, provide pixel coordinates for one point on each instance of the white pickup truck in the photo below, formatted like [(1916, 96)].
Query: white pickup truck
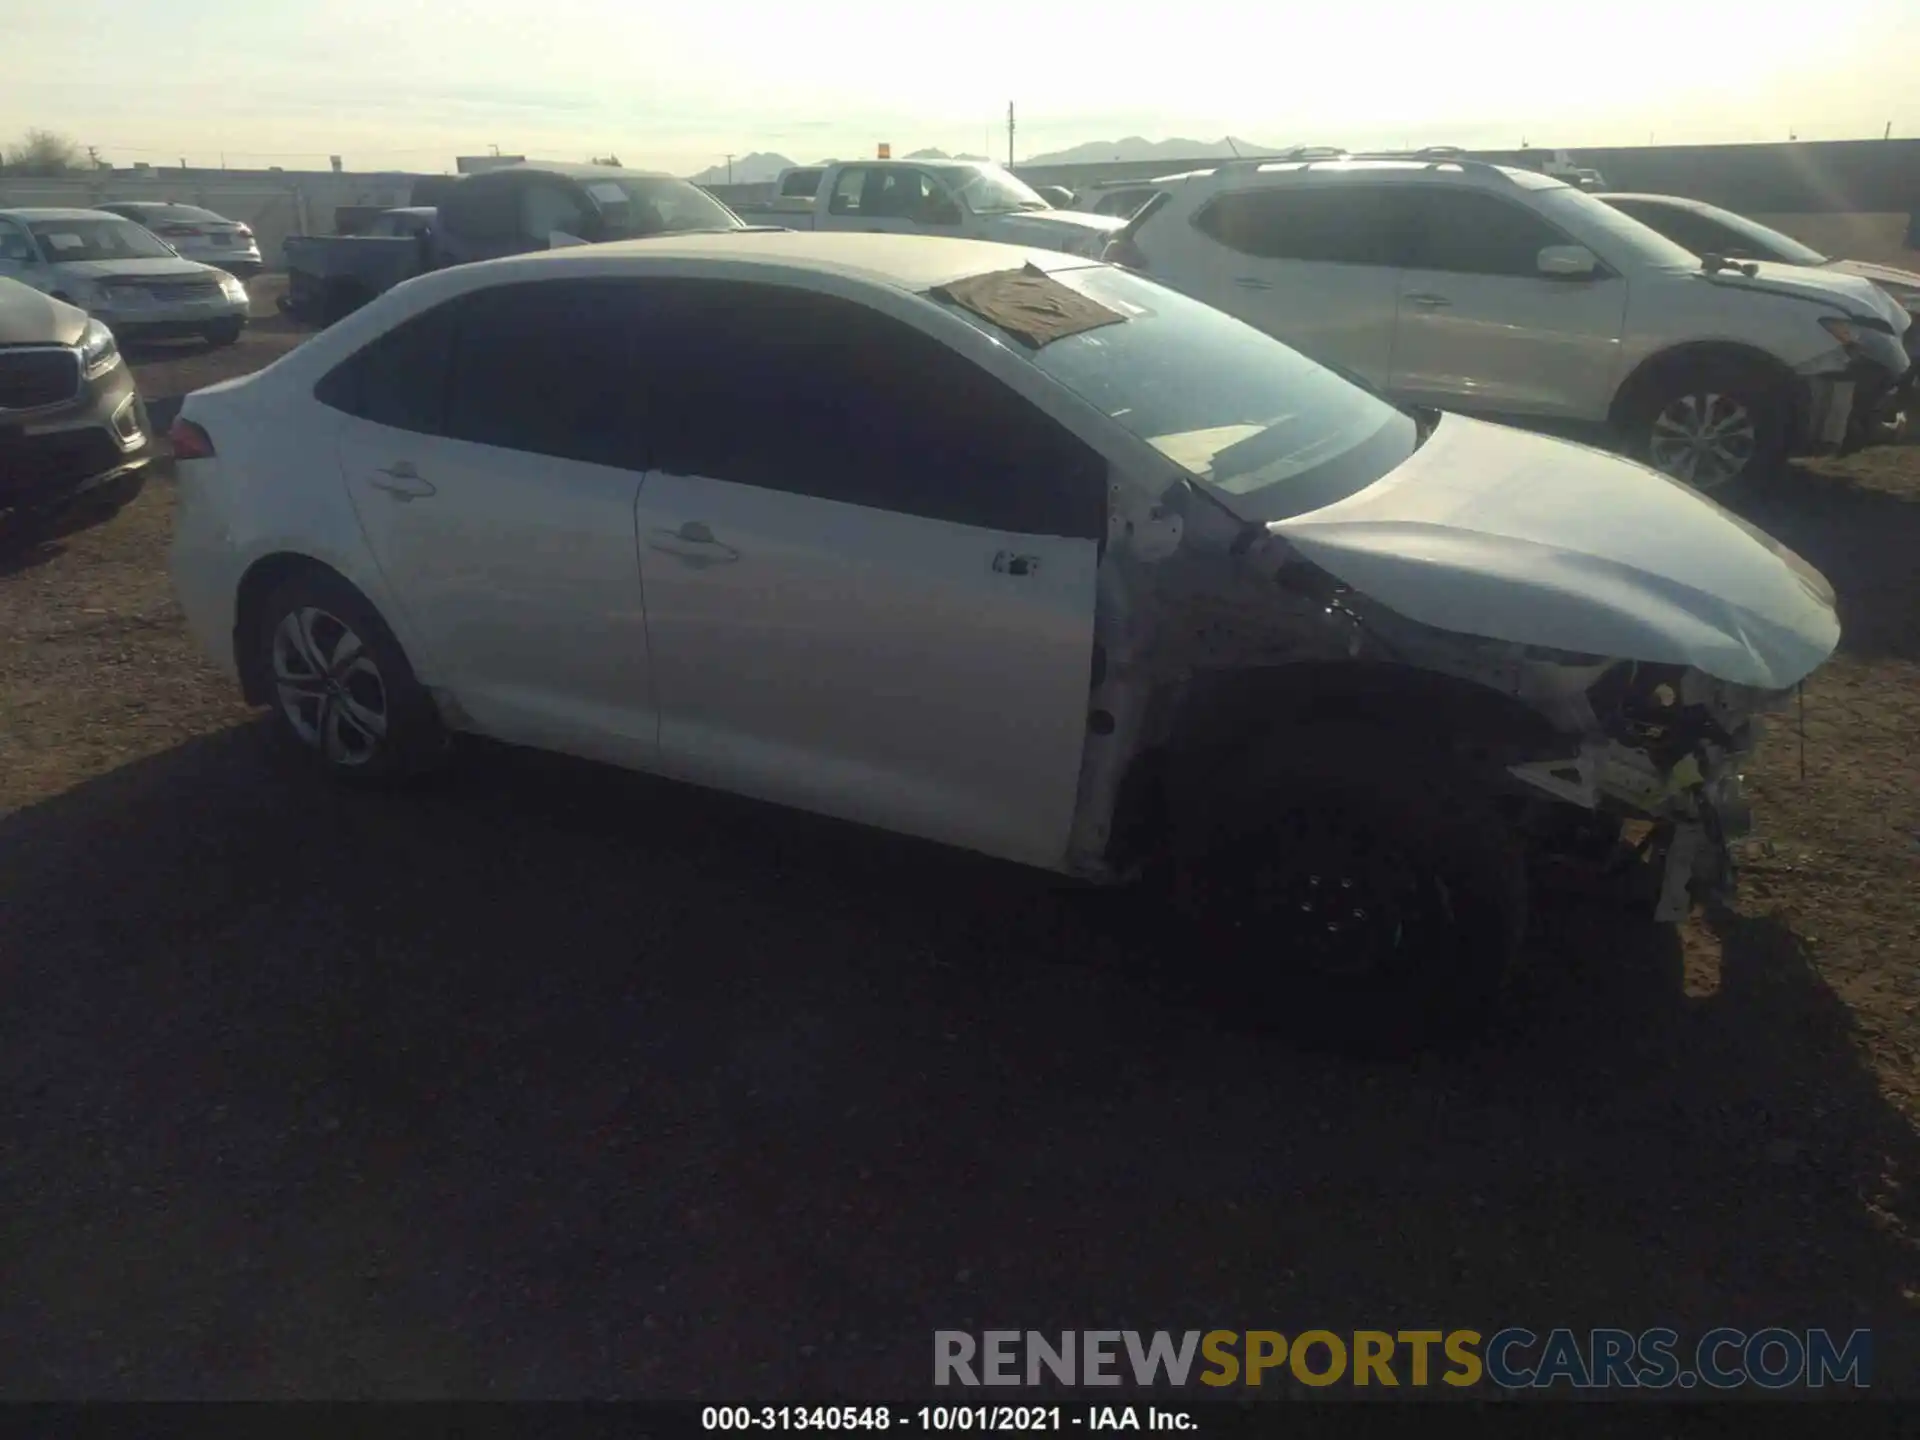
[(948, 197)]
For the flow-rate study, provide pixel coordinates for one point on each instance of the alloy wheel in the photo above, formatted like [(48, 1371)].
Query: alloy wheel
[(329, 686), (1703, 439)]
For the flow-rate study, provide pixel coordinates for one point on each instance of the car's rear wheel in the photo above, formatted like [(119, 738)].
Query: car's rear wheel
[(344, 697), (1710, 425), (1370, 898)]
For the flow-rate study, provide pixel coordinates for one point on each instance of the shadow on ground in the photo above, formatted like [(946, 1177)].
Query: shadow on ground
[(552, 1080), (1865, 539)]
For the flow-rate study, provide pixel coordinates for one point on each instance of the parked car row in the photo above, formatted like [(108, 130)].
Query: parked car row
[(121, 273), (1042, 558), (1503, 291)]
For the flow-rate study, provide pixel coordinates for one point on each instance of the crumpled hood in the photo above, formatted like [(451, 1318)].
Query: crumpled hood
[(126, 269), (1055, 229), (1491, 531), (1847, 292)]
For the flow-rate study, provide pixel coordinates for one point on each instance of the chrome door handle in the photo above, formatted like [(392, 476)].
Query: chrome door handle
[(1429, 302), (694, 543), (403, 482), (1252, 282)]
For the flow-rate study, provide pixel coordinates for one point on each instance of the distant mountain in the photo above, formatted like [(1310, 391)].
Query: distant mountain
[(1136, 147), (937, 154), (754, 169)]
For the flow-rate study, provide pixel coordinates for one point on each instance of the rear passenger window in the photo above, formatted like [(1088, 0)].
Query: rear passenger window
[(1341, 225), (399, 379), (546, 368), (1471, 233), (792, 390)]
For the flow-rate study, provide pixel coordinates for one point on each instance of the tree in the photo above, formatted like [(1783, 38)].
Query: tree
[(42, 152), (613, 160)]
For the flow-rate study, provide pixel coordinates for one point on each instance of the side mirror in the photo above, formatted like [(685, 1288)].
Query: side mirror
[(1567, 262)]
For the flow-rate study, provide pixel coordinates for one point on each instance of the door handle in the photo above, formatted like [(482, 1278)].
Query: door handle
[(1428, 301), (1006, 562), (694, 543), (1252, 282), (403, 482)]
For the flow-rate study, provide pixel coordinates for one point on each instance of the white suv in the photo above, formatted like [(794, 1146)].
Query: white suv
[(1469, 286)]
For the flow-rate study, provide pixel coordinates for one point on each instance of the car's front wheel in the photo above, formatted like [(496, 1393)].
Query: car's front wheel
[(1711, 424), (1367, 893), (344, 697), (225, 332)]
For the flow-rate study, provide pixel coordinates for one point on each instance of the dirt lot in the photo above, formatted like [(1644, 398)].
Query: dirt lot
[(555, 1080)]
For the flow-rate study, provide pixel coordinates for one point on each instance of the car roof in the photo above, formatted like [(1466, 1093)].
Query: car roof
[(55, 212), (577, 172), (913, 263)]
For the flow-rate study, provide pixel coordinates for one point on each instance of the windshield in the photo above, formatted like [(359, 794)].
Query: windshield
[(1767, 243), (988, 190), (639, 206), (1277, 433), (102, 239), (1618, 234)]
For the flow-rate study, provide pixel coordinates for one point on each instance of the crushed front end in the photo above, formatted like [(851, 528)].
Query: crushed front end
[(1666, 747)]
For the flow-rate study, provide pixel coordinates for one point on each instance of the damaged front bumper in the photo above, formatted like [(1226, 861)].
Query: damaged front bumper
[(1698, 810)]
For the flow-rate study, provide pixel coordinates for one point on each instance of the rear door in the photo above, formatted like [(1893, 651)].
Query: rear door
[(1313, 265), (1480, 328), (869, 569), (493, 448)]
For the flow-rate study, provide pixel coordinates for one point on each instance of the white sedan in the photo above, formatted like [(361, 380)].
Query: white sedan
[(1006, 549)]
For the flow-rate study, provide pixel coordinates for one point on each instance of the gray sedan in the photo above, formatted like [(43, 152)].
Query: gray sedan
[(121, 274), (196, 233)]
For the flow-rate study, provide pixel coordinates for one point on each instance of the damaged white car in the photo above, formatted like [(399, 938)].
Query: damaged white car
[(1008, 550)]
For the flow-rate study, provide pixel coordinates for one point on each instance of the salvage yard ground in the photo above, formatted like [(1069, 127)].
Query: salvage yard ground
[(554, 1080)]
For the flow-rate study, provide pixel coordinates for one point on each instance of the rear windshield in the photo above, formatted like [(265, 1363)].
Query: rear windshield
[(801, 183), (102, 239), (191, 214), (636, 206), (1276, 434)]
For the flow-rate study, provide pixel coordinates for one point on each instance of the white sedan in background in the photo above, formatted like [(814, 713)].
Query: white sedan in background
[(1006, 549)]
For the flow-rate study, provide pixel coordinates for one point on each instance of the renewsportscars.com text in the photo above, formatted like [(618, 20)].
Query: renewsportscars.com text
[(1513, 1358)]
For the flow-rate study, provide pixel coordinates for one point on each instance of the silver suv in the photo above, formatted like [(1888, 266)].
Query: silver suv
[(1469, 286)]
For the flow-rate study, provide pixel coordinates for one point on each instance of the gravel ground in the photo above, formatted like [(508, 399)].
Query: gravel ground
[(553, 1080)]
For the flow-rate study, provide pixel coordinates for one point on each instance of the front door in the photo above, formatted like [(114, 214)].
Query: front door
[(1480, 328), (869, 570), (500, 510)]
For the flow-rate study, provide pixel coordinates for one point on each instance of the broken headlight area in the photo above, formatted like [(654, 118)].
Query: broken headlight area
[(1666, 748)]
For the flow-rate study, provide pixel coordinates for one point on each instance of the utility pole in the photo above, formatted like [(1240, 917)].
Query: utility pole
[(1009, 134), (93, 155), (1887, 134), (729, 169)]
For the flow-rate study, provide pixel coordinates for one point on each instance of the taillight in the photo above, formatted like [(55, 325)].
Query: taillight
[(245, 230), (189, 441)]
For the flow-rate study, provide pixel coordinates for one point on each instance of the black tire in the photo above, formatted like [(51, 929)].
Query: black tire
[(327, 695), (1436, 932), (226, 332), (341, 299), (1751, 403)]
